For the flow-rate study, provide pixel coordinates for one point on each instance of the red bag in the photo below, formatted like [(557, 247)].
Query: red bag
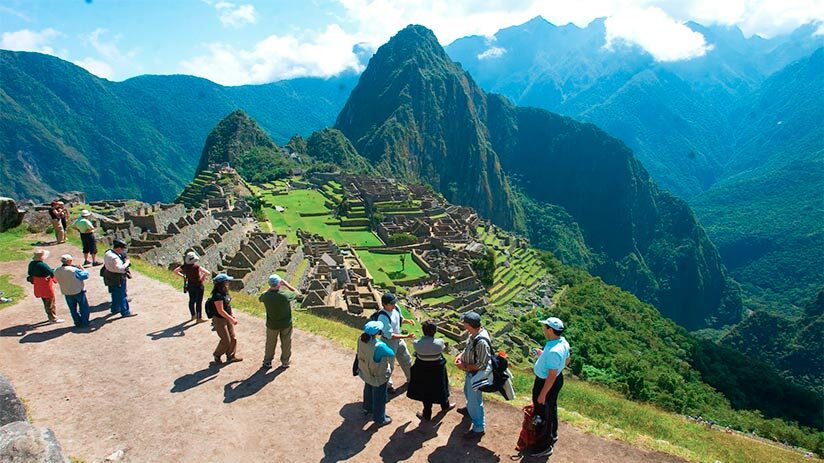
[(529, 432)]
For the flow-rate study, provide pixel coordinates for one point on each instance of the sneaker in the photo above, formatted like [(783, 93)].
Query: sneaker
[(545, 453), (234, 359), (285, 364), (266, 365), (217, 359), (449, 407), (132, 314), (463, 411), (387, 420), (96, 263), (471, 434), (57, 320), (85, 263), (202, 320), (422, 417), (391, 389)]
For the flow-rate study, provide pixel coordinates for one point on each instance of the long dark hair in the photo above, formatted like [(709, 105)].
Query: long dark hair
[(221, 287)]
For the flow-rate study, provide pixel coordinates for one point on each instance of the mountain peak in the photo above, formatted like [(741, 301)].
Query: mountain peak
[(234, 135)]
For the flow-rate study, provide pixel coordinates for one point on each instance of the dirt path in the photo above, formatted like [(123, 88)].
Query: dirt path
[(143, 385)]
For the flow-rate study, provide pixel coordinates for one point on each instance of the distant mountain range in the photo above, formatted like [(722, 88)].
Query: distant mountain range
[(61, 128)]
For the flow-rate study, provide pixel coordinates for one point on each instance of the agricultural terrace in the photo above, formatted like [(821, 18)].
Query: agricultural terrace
[(516, 269), (310, 210)]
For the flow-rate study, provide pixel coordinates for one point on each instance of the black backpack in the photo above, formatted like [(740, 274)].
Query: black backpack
[(499, 366), (210, 308)]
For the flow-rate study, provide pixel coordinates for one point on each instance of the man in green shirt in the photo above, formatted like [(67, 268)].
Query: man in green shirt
[(278, 303), (86, 228)]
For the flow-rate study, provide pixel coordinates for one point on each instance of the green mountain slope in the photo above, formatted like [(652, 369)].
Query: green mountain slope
[(65, 129), (421, 117), (417, 116)]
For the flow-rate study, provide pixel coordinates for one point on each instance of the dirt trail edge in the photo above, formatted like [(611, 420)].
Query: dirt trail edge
[(144, 385)]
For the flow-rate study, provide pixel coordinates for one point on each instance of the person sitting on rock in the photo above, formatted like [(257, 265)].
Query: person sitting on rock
[(194, 278), (278, 303), (42, 277), (85, 227), (72, 279), (116, 273)]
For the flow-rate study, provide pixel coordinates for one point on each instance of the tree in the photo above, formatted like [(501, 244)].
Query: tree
[(403, 262)]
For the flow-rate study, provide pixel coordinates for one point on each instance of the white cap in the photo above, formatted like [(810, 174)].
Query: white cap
[(65, 258), (554, 323), (191, 257), (274, 280)]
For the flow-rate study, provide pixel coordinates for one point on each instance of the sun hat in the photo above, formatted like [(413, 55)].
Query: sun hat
[(554, 323), (118, 243), (85, 213), (191, 257), (40, 254), (373, 327), (275, 280), (66, 258), (221, 277), (472, 319)]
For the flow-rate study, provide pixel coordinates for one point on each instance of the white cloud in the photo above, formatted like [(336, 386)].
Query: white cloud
[(278, 57), (96, 67), (656, 32), (493, 52), (233, 15), (28, 40)]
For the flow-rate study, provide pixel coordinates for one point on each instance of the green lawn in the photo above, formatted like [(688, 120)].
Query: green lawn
[(15, 245), (10, 290), (386, 268), (447, 298), (312, 202)]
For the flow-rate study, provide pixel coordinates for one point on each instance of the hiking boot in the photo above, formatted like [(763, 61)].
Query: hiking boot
[(463, 411), (266, 365), (545, 453), (284, 365), (217, 359)]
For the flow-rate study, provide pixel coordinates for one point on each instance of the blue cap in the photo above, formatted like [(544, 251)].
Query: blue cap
[(274, 280), (221, 277), (373, 327)]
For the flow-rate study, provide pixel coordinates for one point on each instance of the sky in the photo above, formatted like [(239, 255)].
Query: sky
[(255, 41)]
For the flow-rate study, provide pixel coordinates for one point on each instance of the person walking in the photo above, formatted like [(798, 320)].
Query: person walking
[(85, 227), (56, 215), (549, 380), (429, 382), (42, 277), (374, 357), (194, 277), (278, 303), (223, 321), (392, 320), (71, 279), (116, 273), (476, 357)]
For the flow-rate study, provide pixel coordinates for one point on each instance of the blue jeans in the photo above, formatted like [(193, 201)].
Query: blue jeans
[(81, 317), (120, 303), (374, 401), (474, 405)]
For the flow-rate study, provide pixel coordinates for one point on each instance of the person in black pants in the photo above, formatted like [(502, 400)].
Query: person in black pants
[(194, 275), (549, 380), (429, 382)]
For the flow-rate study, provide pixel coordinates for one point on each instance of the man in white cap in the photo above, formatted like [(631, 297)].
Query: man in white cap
[(278, 303), (72, 284), (85, 227), (549, 380)]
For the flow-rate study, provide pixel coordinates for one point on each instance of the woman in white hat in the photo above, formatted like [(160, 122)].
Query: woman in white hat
[(85, 227), (42, 277), (194, 277)]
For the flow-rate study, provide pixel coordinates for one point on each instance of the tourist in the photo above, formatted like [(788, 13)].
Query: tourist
[(42, 277), (85, 227), (549, 380), (194, 277), (429, 382), (56, 215), (278, 303), (374, 358), (392, 321), (223, 321), (72, 284), (476, 357), (116, 273)]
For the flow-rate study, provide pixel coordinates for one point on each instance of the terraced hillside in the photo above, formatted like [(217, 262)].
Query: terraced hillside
[(516, 270)]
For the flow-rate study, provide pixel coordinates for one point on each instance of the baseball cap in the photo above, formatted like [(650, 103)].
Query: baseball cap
[(191, 257), (373, 327), (221, 277), (554, 323), (274, 279), (472, 319), (388, 298), (65, 258)]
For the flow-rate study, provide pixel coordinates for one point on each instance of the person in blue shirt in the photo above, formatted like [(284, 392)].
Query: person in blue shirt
[(549, 380), (373, 357)]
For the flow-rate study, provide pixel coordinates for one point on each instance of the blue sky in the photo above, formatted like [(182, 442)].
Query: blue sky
[(248, 41)]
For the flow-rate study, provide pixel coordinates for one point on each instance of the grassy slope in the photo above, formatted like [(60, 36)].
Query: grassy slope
[(386, 268)]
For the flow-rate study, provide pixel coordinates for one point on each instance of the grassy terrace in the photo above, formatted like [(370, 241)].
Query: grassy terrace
[(524, 270), (386, 268)]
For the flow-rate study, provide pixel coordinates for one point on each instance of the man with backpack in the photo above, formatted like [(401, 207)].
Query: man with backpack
[(392, 320), (549, 380), (115, 273), (475, 361)]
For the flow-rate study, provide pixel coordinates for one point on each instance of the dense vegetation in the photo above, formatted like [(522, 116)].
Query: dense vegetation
[(418, 115), (332, 147), (626, 345), (141, 138)]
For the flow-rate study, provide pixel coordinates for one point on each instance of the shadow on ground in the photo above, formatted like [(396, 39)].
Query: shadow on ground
[(250, 386), (191, 380), (350, 438), (404, 443), (175, 331), (458, 448)]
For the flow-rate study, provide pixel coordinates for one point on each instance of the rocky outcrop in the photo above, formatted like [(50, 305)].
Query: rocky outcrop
[(21, 442), (11, 408), (10, 216)]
